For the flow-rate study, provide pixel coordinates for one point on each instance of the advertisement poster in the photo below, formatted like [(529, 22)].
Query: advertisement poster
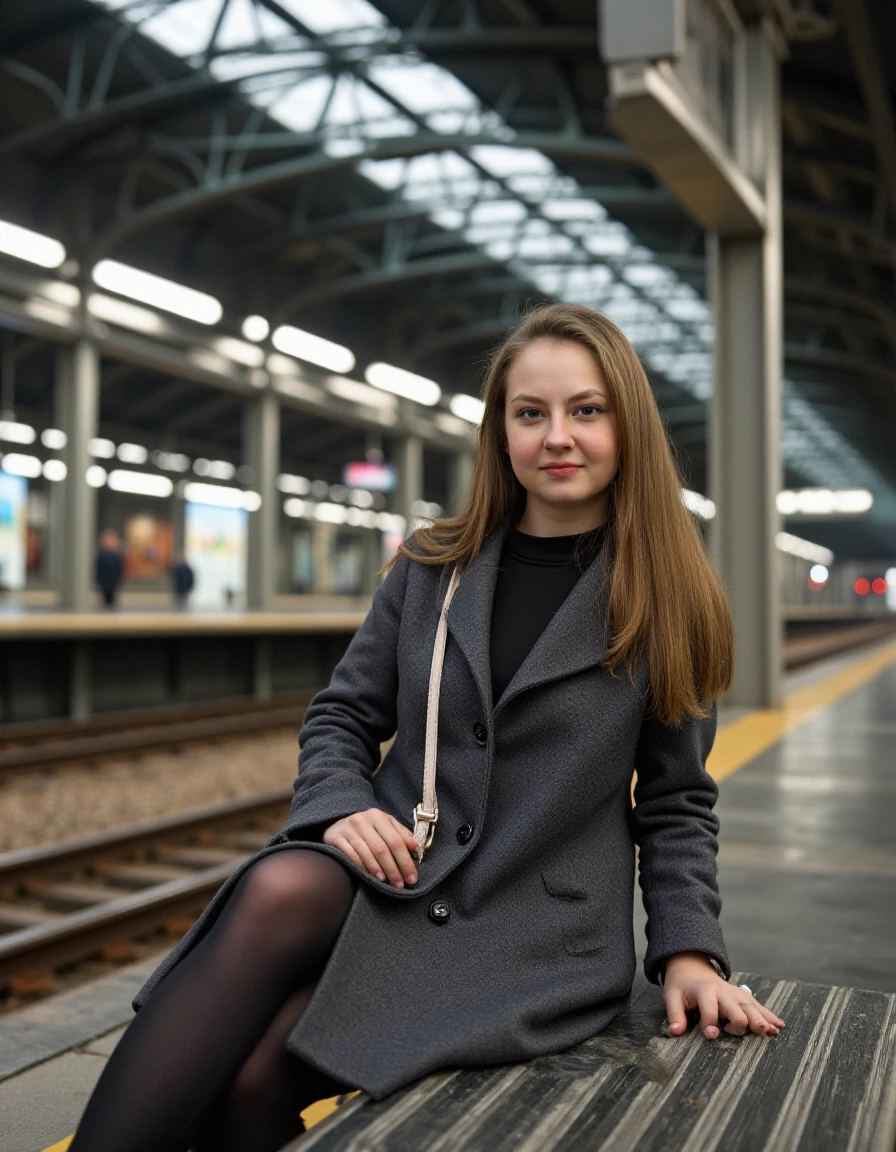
[(147, 548), (13, 498), (216, 551), (302, 561), (348, 565)]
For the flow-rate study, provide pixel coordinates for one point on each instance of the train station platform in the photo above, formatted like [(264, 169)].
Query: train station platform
[(806, 869)]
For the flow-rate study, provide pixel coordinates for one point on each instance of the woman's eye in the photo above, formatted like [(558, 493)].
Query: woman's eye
[(593, 407)]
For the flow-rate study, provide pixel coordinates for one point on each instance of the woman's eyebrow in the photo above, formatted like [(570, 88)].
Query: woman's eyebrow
[(538, 399)]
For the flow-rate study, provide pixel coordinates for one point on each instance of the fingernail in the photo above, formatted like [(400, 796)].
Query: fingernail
[(412, 879), (711, 1033), (774, 1031), (399, 884), (381, 875)]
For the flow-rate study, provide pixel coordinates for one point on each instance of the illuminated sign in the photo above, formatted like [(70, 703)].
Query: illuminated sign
[(376, 477)]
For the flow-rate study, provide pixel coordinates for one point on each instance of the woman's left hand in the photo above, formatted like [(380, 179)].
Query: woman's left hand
[(691, 981)]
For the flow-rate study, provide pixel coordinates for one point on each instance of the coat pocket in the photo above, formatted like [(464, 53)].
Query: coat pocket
[(576, 912)]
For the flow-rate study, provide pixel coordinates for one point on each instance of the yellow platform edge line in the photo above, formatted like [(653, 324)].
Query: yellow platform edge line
[(743, 740), (736, 745)]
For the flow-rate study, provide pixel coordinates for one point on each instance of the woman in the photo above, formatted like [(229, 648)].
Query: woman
[(588, 638)]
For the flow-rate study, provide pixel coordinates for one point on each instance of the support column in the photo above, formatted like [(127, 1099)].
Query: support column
[(81, 380), (410, 478), (56, 526), (461, 475), (261, 439), (745, 433)]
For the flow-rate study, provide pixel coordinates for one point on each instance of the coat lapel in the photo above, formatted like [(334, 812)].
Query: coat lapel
[(574, 639)]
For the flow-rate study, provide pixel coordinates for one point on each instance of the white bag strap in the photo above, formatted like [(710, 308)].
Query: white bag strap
[(426, 814)]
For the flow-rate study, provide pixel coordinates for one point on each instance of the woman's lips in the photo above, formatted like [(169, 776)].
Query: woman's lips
[(561, 469)]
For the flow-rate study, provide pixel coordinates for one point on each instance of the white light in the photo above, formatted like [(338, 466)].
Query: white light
[(170, 461), (53, 438), (217, 469), (805, 549), (256, 328), (132, 454), (140, 483), (221, 496), (467, 407), (125, 315), (339, 493), (314, 349), (330, 513), (825, 502), (701, 505), (451, 424), (18, 464), (298, 509), (68, 295), (360, 497), (299, 485), (279, 365), (96, 476), (240, 351), (31, 246), (818, 574), (102, 449), (16, 433), (390, 522), (55, 470), (157, 291), (402, 383)]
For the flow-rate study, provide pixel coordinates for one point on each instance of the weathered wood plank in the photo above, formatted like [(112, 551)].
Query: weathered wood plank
[(827, 1083)]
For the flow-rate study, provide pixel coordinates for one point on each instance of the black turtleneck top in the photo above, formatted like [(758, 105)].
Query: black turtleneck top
[(535, 575)]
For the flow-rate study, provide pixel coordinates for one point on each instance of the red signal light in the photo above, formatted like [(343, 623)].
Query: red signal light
[(862, 586), (879, 586)]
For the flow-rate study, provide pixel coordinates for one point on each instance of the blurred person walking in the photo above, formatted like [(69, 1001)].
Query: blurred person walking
[(109, 567), (589, 639), (183, 580)]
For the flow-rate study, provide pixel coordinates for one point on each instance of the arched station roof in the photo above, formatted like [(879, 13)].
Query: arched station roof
[(403, 177)]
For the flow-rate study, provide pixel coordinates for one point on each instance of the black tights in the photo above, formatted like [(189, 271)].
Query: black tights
[(204, 1063)]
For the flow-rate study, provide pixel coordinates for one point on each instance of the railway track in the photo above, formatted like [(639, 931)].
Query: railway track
[(57, 742), (64, 903)]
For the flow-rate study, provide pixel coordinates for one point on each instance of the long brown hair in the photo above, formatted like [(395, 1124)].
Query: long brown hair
[(665, 600)]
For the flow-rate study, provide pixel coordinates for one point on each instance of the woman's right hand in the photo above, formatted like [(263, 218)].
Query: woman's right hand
[(378, 843)]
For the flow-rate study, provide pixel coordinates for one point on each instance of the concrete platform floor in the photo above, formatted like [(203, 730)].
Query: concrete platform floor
[(806, 868)]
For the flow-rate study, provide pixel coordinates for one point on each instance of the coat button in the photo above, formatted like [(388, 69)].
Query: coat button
[(439, 912), (464, 833), (480, 732)]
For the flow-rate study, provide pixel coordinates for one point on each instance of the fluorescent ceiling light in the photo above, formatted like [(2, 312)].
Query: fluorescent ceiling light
[(158, 292), (217, 469), (95, 476), (68, 295), (101, 448), (170, 461), (700, 505), (805, 549), (17, 433), (391, 522), (249, 354), (124, 315), (298, 509), (256, 328), (279, 365), (330, 513), (53, 438), (453, 425), (402, 383), (132, 454), (467, 407), (31, 246), (314, 349), (825, 502), (299, 485), (55, 470), (18, 464), (221, 496), (140, 483)]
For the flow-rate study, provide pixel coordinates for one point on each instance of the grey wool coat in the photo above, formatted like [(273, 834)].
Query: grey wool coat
[(537, 951)]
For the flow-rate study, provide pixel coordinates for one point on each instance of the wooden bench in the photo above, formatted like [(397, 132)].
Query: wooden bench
[(827, 1083)]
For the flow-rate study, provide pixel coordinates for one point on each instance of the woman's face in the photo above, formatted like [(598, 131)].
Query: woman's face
[(558, 412)]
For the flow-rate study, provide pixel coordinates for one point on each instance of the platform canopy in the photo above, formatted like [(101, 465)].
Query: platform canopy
[(403, 177)]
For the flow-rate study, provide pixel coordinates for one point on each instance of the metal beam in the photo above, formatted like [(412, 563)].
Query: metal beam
[(268, 177), (869, 74)]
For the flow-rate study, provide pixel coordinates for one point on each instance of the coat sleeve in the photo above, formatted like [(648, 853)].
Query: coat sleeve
[(675, 829), (345, 723)]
